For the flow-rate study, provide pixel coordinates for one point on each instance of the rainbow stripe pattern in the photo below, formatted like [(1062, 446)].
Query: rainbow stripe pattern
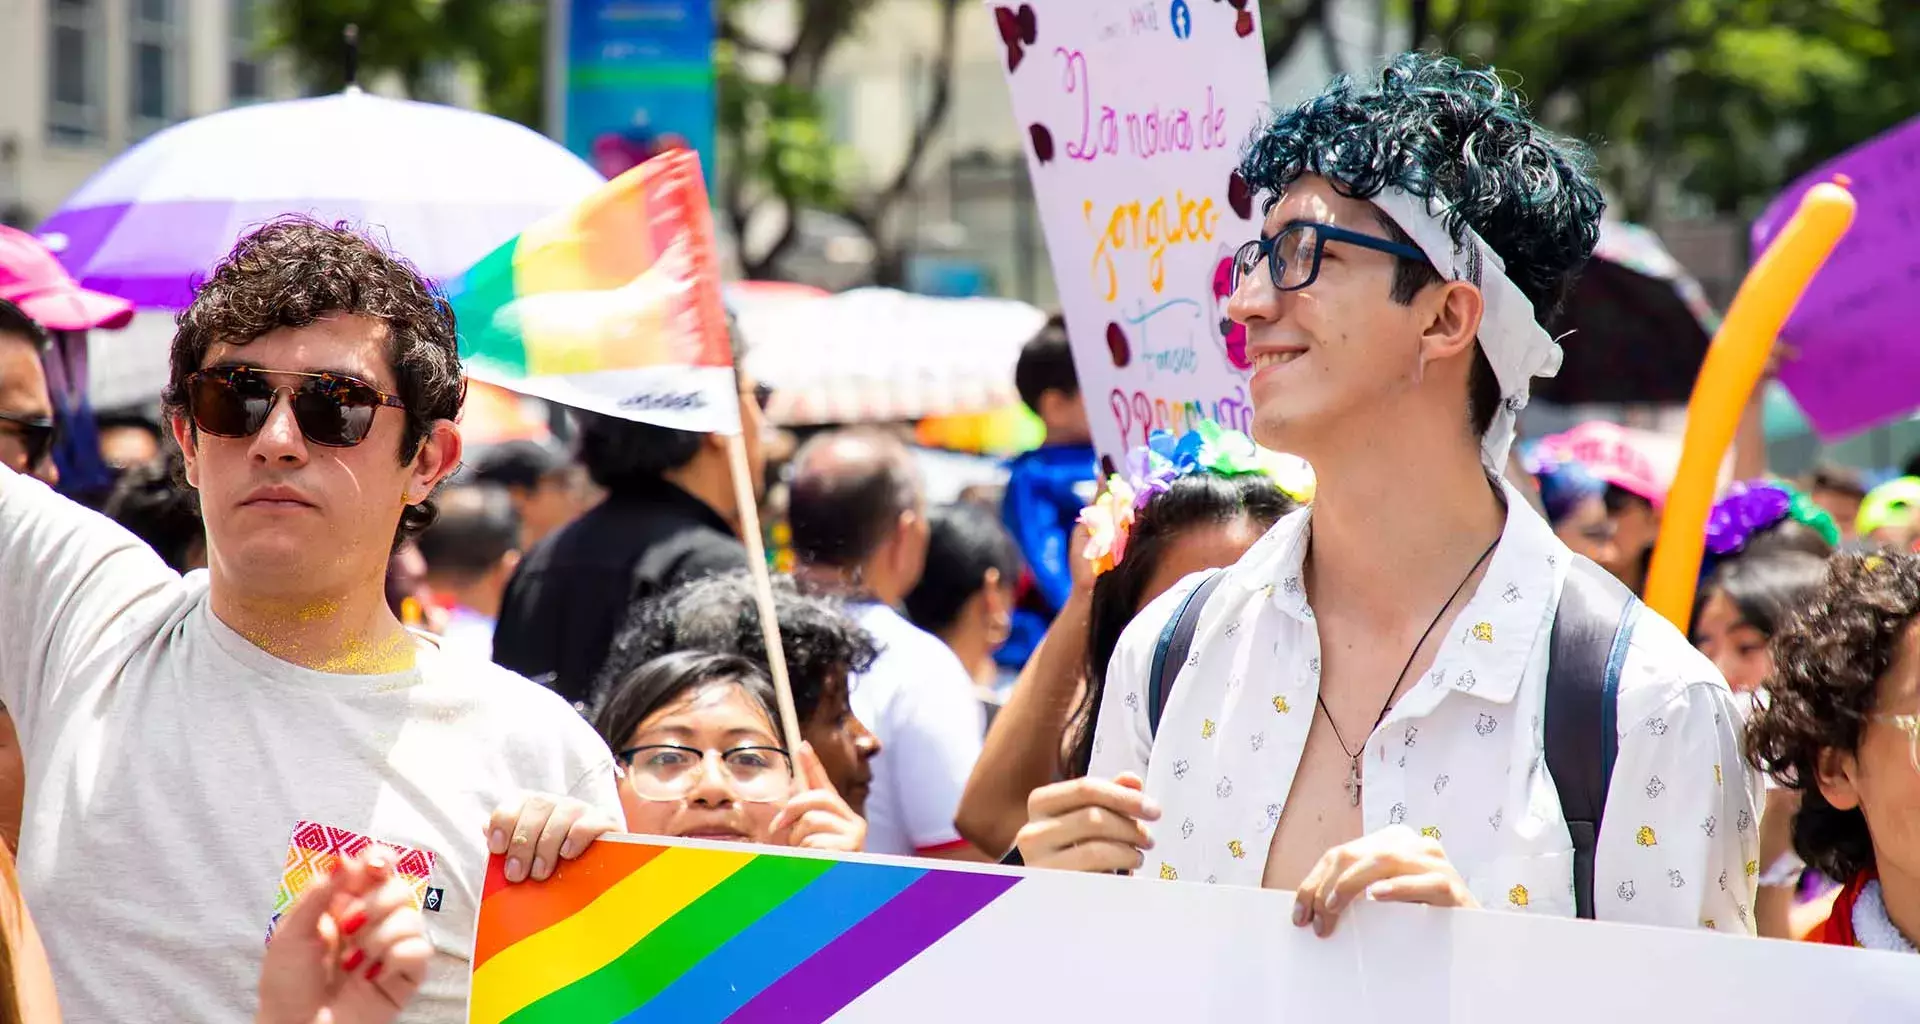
[(692, 935), (612, 305)]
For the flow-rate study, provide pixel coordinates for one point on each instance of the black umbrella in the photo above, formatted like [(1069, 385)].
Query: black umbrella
[(1640, 326)]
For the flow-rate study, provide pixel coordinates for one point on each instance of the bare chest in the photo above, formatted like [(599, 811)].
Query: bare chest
[(1361, 676)]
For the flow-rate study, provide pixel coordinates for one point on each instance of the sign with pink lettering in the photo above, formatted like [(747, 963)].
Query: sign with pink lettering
[(1134, 115)]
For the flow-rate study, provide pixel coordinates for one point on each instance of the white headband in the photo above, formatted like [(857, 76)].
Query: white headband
[(1518, 348)]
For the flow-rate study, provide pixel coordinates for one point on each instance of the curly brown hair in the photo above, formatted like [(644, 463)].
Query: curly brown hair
[(1828, 663), (293, 271)]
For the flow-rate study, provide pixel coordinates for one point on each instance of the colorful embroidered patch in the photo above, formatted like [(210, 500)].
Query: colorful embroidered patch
[(314, 849)]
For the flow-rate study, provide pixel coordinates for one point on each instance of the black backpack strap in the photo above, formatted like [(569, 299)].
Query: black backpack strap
[(1591, 633), (1176, 639)]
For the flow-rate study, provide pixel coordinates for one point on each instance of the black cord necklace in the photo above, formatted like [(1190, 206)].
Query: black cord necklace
[(1353, 757)]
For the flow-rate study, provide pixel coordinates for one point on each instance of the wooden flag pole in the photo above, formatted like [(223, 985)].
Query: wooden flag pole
[(763, 589)]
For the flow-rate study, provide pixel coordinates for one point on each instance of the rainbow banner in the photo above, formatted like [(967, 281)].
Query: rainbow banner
[(645, 930), (612, 306), (631, 932)]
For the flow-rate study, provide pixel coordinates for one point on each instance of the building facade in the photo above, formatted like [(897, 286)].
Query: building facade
[(81, 80)]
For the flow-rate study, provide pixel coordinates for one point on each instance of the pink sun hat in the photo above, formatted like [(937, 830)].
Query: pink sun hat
[(31, 278), (1641, 461)]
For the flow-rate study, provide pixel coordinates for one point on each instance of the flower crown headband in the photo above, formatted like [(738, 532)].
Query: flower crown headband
[(1152, 468), (1749, 509)]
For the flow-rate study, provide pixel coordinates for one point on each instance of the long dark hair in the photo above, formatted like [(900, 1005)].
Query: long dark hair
[(666, 679), (1765, 586), (1779, 568), (1194, 501), (964, 541)]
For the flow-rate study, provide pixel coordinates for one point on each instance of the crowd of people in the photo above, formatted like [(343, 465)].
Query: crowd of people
[(322, 626)]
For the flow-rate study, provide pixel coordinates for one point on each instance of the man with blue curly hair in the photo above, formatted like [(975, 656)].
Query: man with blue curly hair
[(1363, 712)]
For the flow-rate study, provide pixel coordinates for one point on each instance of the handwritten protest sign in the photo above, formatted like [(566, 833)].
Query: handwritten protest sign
[(1855, 328), (1134, 116), (699, 933)]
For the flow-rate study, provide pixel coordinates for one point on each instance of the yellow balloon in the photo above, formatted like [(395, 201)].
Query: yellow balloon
[(1734, 363)]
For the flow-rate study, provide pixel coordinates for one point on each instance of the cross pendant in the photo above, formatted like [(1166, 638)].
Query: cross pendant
[(1353, 782)]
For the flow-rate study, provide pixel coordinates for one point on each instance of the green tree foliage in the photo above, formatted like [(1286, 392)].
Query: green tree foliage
[(1712, 104), (1718, 103)]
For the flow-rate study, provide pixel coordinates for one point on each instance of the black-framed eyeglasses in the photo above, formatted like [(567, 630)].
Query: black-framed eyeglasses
[(667, 771), (37, 435), (332, 409), (1293, 254)]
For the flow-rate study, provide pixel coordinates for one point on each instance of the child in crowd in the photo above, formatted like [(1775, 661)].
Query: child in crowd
[(1047, 487)]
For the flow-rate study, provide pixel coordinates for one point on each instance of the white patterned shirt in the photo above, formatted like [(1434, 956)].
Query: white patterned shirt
[(1460, 757)]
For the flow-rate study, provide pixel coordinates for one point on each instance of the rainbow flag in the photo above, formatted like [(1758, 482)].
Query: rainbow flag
[(634, 932), (612, 306)]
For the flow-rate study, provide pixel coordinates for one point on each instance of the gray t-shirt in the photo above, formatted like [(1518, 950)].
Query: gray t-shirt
[(183, 784)]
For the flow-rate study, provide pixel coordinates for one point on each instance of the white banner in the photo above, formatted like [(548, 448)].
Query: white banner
[(649, 929), (1065, 947), (1134, 117)]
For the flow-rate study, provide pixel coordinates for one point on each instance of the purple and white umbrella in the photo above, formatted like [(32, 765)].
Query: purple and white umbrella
[(442, 186)]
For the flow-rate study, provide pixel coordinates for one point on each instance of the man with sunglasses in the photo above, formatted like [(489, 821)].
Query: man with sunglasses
[(26, 406), (201, 747), (1363, 710), (26, 446)]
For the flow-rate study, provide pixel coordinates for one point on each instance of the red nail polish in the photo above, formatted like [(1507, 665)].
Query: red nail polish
[(374, 971), (353, 959), (353, 922)]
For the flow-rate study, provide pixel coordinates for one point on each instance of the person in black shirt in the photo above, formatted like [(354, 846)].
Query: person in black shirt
[(670, 516)]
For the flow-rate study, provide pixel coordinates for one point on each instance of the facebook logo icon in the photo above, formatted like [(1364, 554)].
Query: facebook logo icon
[(1181, 17)]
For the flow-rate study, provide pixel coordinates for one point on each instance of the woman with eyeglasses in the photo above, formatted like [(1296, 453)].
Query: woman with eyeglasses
[(1841, 726), (702, 758)]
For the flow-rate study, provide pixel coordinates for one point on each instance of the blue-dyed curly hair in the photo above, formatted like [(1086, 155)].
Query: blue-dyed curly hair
[(1431, 126)]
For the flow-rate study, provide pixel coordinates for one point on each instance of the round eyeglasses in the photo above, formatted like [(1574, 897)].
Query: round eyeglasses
[(665, 771), (1293, 255)]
